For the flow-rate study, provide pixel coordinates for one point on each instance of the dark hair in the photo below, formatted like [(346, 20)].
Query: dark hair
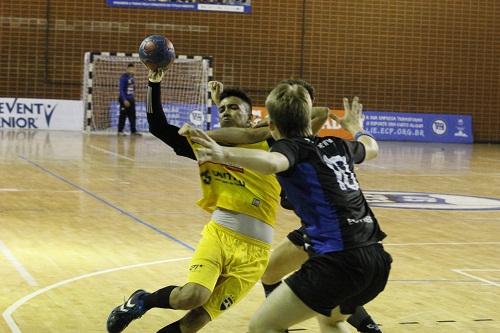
[(289, 107), (130, 64), (237, 92), (303, 83)]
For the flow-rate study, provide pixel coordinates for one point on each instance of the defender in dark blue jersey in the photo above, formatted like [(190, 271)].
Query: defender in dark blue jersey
[(289, 255), (347, 265)]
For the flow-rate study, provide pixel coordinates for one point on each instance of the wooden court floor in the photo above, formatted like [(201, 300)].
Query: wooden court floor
[(87, 219)]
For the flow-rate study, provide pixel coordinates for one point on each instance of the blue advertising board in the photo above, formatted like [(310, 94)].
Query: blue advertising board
[(230, 6), (177, 114), (398, 126)]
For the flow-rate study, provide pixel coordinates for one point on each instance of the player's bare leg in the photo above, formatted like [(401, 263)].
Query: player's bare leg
[(281, 310), (285, 259), (333, 324), (189, 296), (192, 322)]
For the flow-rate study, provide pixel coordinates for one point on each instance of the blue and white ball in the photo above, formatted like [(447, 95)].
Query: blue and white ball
[(156, 51)]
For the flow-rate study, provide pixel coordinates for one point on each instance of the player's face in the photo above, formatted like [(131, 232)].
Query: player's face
[(233, 112)]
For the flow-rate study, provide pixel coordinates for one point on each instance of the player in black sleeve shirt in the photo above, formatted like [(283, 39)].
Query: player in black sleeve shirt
[(235, 244), (235, 111), (347, 265)]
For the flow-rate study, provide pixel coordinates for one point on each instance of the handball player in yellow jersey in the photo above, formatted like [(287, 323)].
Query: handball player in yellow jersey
[(234, 249)]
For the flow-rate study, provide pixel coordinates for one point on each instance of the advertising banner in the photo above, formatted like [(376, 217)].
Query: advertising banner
[(385, 126), (230, 6), (177, 114), (33, 113), (428, 127)]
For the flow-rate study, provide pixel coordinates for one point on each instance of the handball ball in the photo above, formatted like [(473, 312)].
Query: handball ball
[(156, 51)]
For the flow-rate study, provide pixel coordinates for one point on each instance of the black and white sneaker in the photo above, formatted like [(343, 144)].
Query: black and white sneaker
[(123, 315)]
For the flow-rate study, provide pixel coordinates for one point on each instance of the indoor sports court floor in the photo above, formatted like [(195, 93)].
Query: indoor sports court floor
[(87, 219)]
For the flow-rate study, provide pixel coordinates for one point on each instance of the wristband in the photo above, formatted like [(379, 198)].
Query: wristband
[(362, 132)]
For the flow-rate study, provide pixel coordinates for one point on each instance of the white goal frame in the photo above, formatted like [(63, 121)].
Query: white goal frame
[(88, 91)]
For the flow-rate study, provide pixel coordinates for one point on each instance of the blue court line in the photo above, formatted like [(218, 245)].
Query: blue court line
[(104, 201)]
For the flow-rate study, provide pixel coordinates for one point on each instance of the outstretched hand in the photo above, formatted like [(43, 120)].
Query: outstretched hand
[(186, 130), (210, 150), (353, 115), (156, 76)]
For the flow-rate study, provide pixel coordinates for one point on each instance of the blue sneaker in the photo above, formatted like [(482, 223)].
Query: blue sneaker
[(123, 315)]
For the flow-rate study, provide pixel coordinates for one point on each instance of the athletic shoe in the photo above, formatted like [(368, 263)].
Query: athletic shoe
[(123, 315)]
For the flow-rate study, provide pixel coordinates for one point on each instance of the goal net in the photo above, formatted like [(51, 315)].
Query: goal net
[(185, 96)]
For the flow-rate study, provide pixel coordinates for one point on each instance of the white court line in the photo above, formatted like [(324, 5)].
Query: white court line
[(34, 190), (488, 159), (111, 153), (7, 314), (451, 243), (455, 174), (17, 265), (367, 165), (462, 271)]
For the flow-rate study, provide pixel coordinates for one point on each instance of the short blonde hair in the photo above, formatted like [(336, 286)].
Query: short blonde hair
[(289, 107)]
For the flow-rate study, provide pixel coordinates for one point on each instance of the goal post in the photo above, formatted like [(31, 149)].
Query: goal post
[(185, 95)]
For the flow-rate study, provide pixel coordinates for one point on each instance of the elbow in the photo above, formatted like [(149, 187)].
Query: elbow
[(371, 150), (155, 130), (276, 165), (370, 155), (152, 129), (272, 169)]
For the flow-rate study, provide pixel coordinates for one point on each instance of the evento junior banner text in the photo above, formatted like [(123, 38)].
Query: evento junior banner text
[(33, 113)]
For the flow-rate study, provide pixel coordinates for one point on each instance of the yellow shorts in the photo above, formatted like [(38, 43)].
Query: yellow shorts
[(227, 263)]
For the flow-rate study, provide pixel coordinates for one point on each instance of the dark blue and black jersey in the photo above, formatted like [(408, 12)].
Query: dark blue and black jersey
[(324, 192)]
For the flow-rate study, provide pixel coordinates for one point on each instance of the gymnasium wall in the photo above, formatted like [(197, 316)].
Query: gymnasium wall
[(429, 56)]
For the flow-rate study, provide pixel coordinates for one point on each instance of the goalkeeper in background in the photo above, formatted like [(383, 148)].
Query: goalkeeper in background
[(127, 100)]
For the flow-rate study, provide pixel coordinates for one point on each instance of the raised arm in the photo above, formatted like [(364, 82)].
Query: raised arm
[(158, 125), (352, 121), (238, 135)]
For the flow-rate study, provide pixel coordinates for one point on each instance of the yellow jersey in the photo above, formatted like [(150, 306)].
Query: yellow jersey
[(240, 190)]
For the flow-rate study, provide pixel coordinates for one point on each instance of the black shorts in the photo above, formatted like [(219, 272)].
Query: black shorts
[(347, 279), (297, 236)]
